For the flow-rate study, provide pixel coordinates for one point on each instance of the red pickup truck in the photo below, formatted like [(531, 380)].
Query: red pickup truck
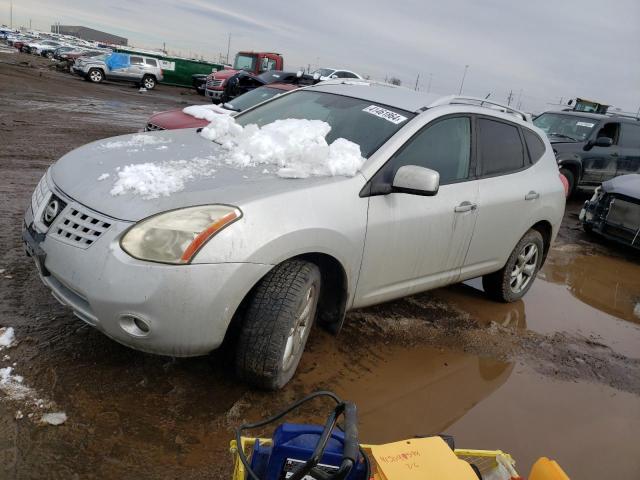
[(251, 62)]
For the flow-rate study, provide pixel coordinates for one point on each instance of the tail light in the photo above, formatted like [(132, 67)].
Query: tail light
[(565, 184)]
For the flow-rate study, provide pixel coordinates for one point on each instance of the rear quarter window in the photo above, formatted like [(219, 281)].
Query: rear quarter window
[(535, 145), (136, 60), (151, 62), (500, 147)]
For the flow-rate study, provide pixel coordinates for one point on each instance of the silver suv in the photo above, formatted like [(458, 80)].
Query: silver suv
[(450, 189), (121, 67)]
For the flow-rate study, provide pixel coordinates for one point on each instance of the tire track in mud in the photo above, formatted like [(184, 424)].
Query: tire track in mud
[(425, 320)]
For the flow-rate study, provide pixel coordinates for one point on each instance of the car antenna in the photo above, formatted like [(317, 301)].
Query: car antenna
[(488, 95)]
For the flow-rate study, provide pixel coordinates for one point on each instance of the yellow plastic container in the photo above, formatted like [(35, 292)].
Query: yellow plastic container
[(545, 469)]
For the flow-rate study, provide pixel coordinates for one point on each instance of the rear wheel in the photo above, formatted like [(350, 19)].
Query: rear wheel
[(95, 75), (149, 82), (277, 323), (571, 180), (516, 277)]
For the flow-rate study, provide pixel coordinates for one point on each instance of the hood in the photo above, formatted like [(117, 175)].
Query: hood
[(224, 74), (559, 139), (77, 174), (628, 185), (175, 119)]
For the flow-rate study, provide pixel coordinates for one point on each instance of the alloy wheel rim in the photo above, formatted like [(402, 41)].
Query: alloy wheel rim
[(148, 83), (525, 268), (300, 330), (95, 76)]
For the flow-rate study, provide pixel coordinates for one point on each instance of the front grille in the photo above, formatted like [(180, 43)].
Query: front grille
[(79, 227), (152, 127), (212, 82)]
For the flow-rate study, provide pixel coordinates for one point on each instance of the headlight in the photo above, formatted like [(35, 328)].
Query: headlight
[(176, 236)]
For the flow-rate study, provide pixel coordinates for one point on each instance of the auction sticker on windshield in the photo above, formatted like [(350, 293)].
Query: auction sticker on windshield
[(388, 115), (585, 124)]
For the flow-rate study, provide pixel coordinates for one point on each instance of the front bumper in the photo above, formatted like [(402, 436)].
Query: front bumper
[(187, 308), (216, 94), (596, 216)]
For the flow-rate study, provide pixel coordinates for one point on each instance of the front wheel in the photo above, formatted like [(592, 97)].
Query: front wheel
[(95, 75), (277, 323), (149, 82), (516, 277)]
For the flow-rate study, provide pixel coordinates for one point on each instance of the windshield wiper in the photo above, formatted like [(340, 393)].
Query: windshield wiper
[(562, 135)]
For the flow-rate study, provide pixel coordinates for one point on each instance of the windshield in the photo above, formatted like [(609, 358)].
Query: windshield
[(324, 72), (252, 98), (245, 62), (360, 121), (567, 126)]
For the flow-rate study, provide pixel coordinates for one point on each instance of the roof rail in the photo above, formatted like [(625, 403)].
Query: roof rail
[(481, 102), (631, 116)]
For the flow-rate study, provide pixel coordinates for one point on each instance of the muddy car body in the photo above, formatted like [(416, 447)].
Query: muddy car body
[(614, 210), (334, 243)]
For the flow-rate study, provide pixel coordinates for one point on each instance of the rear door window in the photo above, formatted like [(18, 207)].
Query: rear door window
[(500, 147), (535, 145), (444, 146), (136, 60), (151, 62), (630, 136)]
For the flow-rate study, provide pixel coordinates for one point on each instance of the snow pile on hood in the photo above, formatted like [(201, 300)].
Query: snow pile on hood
[(297, 147), (139, 140), (206, 112), (152, 180), (7, 337)]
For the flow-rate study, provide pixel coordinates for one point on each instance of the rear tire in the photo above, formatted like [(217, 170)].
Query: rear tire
[(148, 82), (277, 323), (571, 180), (95, 75), (514, 280)]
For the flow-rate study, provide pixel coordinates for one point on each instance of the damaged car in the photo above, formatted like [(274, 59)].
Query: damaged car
[(614, 211), (324, 199)]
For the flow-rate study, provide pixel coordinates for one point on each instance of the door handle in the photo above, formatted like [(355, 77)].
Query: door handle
[(532, 195), (465, 207)]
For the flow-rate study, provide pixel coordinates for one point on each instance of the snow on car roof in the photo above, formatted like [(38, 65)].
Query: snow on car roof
[(381, 93)]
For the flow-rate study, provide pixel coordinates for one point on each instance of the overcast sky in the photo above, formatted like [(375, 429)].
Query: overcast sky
[(546, 49)]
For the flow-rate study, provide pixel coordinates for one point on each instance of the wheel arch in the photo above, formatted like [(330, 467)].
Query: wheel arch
[(332, 303), (572, 164), (546, 230)]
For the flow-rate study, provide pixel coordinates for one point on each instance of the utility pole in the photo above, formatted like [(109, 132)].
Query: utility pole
[(11, 14), (29, 24), (417, 79), (519, 99), (466, 67), (308, 68), (429, 86), (509, 98), (228, 47)]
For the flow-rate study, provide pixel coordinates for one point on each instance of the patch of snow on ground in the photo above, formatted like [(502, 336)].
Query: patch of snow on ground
[(12, 385), (206, 112), (7, 337), (297, 147), (152, 180), (55, 418), (139, 140)]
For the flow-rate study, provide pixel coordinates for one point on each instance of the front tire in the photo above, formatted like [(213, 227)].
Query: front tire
[(95, 75), (571, 180), (149, 82), (514, 280), (277, 323)]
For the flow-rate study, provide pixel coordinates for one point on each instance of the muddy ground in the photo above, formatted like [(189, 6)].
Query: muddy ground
[(556, 374)]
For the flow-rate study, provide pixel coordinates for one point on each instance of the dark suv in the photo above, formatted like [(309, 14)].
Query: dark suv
[(591, 148)]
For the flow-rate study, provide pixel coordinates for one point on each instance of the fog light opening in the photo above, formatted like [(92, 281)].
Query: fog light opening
[(134, 325)]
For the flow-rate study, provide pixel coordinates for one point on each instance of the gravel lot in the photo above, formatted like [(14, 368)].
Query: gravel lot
[(557, 374)]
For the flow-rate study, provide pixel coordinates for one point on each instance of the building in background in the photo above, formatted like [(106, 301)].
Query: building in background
[(89, 34)]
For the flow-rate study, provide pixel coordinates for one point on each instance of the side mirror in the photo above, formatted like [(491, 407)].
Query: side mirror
[(299, 73), (603, 142), (416, 180)]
